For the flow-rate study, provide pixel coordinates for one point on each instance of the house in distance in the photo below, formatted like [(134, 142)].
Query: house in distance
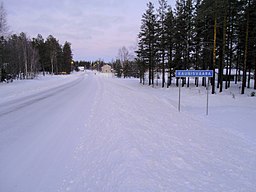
[(106, 69)]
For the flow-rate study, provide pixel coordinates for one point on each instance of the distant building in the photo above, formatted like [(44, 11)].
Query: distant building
[(106, 69), (81, 68)]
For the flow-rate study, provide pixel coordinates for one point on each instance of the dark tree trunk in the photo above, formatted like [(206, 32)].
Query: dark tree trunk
[(245, 51), (255, 71), (163, 70)]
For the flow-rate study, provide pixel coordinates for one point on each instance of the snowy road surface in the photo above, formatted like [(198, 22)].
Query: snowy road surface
[(93, 133)]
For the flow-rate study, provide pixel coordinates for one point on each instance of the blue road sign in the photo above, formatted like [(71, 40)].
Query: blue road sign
[(194, 73)]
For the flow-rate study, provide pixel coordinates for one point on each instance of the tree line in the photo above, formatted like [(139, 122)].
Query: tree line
[(205, 34), (23, 58)]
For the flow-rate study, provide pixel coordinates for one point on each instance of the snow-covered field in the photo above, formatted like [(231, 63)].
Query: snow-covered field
[(87, 132)]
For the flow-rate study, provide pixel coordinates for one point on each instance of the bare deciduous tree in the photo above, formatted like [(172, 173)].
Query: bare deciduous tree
[(123, 55)]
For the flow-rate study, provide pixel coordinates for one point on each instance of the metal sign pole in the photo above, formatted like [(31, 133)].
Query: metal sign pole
[(179, 92), (207, 103), (194, 73)]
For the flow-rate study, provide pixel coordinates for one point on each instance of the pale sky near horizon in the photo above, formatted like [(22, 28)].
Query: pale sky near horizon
[(96, 29)]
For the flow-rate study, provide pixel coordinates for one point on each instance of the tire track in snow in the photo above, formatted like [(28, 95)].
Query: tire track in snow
[(20, 103), (137, 142)]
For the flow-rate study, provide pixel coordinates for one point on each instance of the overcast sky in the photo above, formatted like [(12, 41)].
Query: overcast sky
[(96, 29)]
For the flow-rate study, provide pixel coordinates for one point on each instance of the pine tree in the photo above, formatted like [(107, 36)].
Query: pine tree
[(222, 47), (229, 20), (198, 33), (52, 45), (3, 57), (39, 44), (189, 10), (217, 34), (246, 46), (179, 33), (162, 35), (252, 42), (61, 66), (253, 38), (67, 57), (3, 33), (141, 63), (184, 35), (118, 68), (148, 41), (169, 23)]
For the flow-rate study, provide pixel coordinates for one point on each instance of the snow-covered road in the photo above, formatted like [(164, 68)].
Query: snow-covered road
[(94, 133), (39, 133)]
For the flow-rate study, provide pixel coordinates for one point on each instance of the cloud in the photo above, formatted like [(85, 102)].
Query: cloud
[(93, 27)]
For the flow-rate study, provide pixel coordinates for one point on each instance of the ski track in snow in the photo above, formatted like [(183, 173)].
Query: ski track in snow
[(119, 137)]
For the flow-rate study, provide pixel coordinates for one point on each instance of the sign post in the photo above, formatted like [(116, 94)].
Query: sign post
[(207, 103), (195, 73), (179, 92)]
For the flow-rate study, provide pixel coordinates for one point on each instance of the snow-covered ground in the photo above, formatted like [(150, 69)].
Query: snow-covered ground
[(87, 132)]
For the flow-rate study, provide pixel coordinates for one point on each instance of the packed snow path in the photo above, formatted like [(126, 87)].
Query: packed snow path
[(99, 134)]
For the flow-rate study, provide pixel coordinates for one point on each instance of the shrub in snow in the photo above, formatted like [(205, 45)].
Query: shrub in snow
[(253, 94)]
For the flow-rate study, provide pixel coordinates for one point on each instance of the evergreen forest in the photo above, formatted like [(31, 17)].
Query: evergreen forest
[(219, 35), (22, 57)]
